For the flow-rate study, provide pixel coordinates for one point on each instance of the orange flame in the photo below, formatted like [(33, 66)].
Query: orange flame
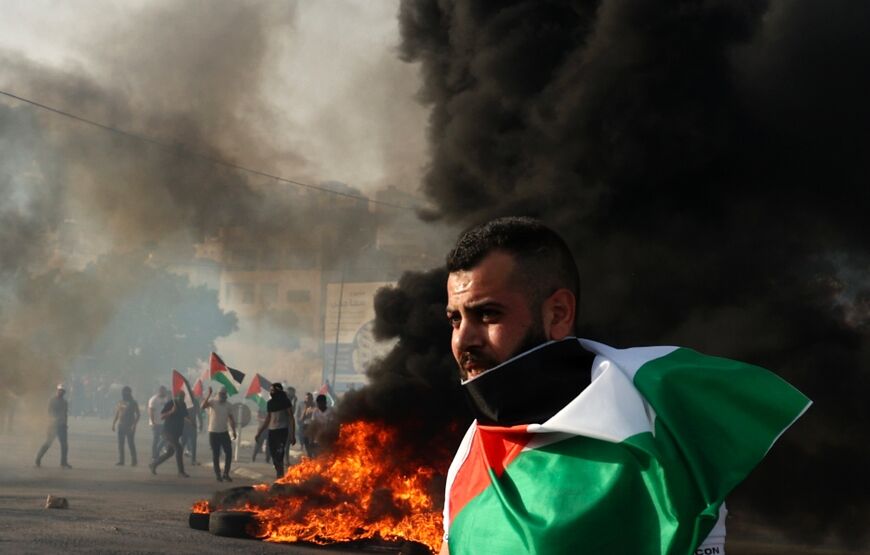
[(202, 507), (365, 488)]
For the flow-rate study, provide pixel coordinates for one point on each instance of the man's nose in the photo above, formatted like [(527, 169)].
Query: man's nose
[(467, 335)]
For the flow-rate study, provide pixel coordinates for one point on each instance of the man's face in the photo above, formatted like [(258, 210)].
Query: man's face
[(491, 315), (222, 397), (162, 391)]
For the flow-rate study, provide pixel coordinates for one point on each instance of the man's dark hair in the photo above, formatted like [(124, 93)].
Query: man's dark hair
[(544, 261)]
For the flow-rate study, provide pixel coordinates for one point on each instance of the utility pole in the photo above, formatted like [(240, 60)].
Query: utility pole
[(338, 323)]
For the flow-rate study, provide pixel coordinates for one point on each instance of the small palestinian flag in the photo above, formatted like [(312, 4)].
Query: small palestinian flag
[(259, 391), (197, 389), (180, 383), (222, 373)]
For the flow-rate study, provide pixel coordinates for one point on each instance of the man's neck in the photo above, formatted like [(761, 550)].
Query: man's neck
[(531, 387)]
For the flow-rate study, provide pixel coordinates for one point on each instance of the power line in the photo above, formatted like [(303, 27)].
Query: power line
[(174, 149)]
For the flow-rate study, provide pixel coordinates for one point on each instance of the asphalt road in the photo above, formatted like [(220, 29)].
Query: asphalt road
[(113, 509)]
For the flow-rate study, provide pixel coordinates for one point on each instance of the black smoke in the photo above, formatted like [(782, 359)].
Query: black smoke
[(706, 160), (192, 80), (415, 388)]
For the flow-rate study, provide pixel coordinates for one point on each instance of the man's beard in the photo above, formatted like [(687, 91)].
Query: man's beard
[(534, 336)]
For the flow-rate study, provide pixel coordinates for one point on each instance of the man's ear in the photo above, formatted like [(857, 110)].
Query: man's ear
[(558, 314)]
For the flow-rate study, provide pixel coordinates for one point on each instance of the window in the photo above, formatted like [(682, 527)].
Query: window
[(298, 296), (240, 293), (268, 294)]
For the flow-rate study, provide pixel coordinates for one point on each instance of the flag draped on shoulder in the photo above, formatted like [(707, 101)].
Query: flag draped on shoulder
[(228, 377), (639, 462), (258, 391)]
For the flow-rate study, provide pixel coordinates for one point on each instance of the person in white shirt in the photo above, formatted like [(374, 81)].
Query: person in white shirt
[(155, 406), (324, 427), (219, 419)]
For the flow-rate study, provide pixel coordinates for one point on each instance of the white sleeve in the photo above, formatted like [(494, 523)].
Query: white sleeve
[(715, 542)]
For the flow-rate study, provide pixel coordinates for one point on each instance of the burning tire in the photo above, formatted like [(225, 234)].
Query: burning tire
[(231, 524), (198, 521), (414, 548), (229, 497)]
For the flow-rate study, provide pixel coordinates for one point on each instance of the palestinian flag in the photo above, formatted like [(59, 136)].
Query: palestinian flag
[(197, 389), (258, 391), (326, 389), (220, 372), (639, 462), (180, 383)]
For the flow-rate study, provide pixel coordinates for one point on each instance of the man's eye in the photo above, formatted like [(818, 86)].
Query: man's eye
[(490, 315), (454, 319)]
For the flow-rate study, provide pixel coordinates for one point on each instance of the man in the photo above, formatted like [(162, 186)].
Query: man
[(305, 417), (324, 425), (190, 434), (567, 454), (279, 422), (260, 440), (173, 415), (126, 418), (155, 406), (57, 412), (291, 395), (219, 417)]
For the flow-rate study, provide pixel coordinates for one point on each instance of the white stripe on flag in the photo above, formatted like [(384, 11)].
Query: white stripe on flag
[(629, 360), (610, 408)]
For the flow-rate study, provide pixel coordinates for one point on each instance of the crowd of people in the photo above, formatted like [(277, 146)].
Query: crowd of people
[(175, 425)]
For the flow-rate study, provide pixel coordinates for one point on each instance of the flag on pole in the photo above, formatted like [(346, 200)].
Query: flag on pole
[(258, 391), (639, 462), (222, 373), (180, 383)]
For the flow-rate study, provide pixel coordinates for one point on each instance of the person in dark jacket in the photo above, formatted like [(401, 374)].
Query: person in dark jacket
[(174, 415)]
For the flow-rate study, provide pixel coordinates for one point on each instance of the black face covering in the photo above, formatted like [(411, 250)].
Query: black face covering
[(531, 387)]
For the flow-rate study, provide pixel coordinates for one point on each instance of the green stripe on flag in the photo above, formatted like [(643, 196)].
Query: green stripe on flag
[(258, 398), (724, 415), (226, 382), (573, 496)]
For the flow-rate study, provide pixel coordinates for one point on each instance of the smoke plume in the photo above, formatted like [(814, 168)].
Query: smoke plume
[(195, 80), (705, 161)]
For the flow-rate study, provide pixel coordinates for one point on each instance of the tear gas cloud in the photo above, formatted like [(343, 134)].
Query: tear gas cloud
[(97, 225)]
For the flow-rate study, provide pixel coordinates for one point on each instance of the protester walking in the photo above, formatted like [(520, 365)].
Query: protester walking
[(155, 406), (174, 415), (58, 409), (306, 419), (279, 422), (220, 418), (190, 434), (324, 425), (126, 418)]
